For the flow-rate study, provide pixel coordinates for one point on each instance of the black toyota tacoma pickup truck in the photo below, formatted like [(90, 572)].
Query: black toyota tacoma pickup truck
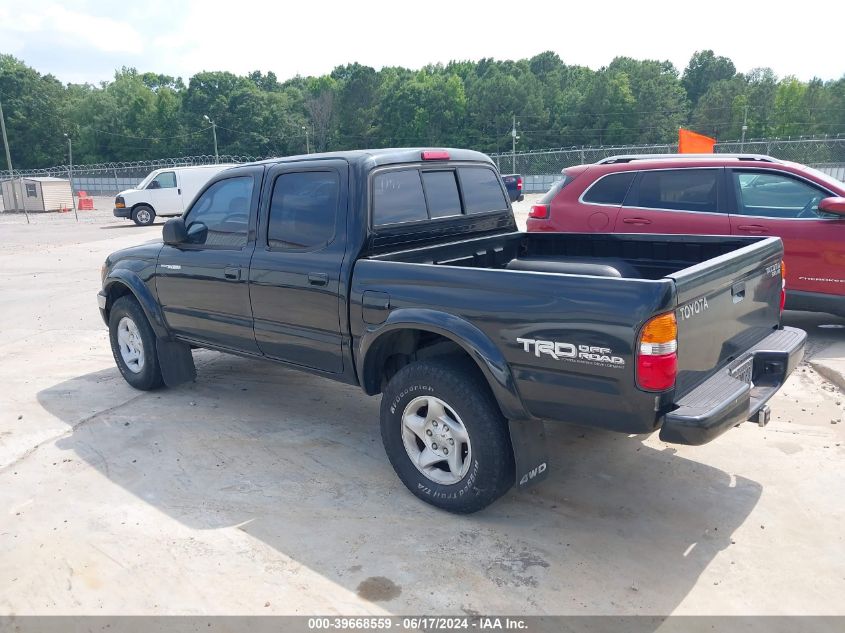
[(402, 271)]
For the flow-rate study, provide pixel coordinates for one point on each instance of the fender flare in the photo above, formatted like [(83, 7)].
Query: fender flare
[(144, 296), (472, 340)]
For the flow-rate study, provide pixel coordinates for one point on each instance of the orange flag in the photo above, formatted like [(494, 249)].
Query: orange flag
[(690, 142)]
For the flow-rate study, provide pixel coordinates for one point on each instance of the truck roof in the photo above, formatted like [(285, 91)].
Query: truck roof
[(386, 156)]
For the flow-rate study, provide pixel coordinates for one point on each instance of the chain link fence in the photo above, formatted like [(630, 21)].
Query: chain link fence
[(108, 179), (540, 169)]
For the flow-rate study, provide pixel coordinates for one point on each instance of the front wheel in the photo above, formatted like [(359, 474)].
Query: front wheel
[(143, 215), (133, 344), (445, 435)]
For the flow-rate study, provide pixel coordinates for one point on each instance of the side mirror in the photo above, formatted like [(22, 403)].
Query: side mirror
[(174, 232), (835, 205), (154, 184)]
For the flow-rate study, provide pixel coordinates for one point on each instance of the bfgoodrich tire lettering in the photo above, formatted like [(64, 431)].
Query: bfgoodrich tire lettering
[(459, 385), (128, 310)]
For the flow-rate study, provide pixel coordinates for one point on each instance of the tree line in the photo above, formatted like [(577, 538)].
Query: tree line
[(144, 115)]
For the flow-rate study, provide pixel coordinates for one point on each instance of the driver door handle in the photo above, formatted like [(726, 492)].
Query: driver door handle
[(232, 272), (753, 228), (640, 221)]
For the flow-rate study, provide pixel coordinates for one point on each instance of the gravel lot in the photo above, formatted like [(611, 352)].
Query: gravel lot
[(259, 490)]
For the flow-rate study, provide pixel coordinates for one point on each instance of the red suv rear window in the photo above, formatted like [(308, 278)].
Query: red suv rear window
[(551, 193)]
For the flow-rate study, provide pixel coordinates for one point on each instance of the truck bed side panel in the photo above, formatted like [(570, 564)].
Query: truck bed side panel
[(588, 324)]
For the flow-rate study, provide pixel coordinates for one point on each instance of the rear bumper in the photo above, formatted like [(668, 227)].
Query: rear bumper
[(122, 213), (729, 397)]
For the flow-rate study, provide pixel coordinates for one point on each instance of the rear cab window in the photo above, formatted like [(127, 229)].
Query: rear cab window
[(416, 194)]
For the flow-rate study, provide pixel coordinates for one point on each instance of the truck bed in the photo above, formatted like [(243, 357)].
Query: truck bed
[(595, 290)]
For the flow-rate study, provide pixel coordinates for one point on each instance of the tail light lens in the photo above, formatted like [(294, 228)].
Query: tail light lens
[(539, 211), (519, 184), (782, 285), (657, 356)]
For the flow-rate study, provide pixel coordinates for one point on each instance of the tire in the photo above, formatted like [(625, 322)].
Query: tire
[(129, 331), (143, 215), (462, 483)]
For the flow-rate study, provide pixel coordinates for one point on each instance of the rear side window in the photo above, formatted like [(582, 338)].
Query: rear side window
[(679, 189), (398, 197), (303, 209), (441, 191), (610, 189), (482, 190), (551, 193)]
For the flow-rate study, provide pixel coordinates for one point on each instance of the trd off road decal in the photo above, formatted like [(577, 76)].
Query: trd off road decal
[(587, 354)]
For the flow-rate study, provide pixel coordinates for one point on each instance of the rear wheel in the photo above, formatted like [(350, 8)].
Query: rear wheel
[(143, 215), (445, 435), (133, 344)]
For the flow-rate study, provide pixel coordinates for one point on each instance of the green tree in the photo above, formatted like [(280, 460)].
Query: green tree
[(704, 69)]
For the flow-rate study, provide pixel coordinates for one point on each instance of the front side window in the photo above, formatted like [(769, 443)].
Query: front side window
[(611, 189), (398, 197), (680, 189), (775, 196), (165, 180), (303, 209), (31, 191), (482, 190), (220, 216)]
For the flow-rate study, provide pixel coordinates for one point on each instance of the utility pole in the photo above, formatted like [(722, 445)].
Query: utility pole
[(70, 175), (513, 146), (9, 163), (307, 142), (744, 129), (214, 133)]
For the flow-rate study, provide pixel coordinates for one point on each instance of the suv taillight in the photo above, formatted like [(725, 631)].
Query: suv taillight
[(539, 212), (519, 184), (657, 353)]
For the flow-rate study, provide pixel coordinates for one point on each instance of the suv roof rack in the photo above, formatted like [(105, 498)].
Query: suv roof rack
[(629, 158)]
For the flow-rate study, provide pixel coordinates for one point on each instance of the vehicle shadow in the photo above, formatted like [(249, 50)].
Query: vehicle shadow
[(295, 461)]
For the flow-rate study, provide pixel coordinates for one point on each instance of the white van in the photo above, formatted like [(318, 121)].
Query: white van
[(164, 192)]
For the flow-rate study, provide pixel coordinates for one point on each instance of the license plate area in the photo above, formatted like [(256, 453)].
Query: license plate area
[(744, 370)]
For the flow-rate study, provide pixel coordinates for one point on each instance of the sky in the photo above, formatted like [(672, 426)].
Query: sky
[(86, 40)]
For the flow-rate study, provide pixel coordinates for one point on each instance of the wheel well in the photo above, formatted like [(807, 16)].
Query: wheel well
[(115, 292), (392, 351), (142, 204)]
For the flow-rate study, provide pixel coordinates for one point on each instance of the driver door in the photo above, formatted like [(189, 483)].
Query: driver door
[(769, 203), (203, 284)]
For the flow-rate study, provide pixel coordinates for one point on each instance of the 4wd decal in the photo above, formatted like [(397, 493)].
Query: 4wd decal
[(589, 354)]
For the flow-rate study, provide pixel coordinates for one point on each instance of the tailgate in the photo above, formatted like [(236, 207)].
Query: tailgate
[(725, 306)]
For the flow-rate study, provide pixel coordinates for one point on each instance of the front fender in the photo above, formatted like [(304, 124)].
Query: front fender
[(480, 348), (131, 280)]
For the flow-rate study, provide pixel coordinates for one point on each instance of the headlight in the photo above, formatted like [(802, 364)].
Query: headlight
[(119, 203)]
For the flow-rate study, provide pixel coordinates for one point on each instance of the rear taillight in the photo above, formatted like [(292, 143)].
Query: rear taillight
[(657, 355), (539, 211), (782, 285), (519, 184)]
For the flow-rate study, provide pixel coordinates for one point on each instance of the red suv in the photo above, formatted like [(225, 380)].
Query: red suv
[(721, 194)]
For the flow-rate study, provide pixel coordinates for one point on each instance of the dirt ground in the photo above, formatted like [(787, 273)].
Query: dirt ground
[(259, 490)]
